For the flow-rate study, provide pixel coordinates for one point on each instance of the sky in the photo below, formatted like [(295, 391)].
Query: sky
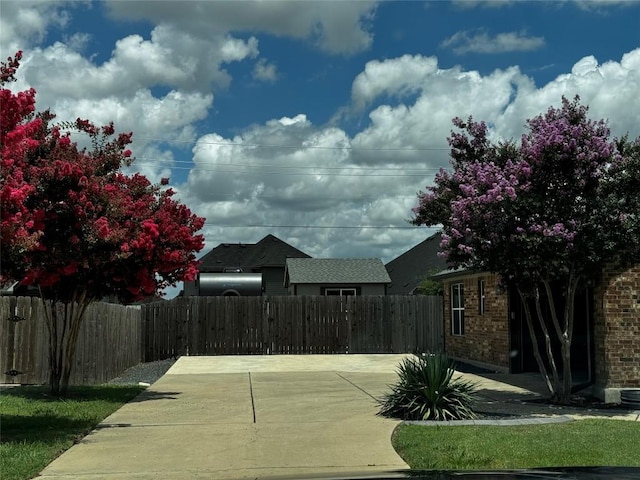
[(318, 121)]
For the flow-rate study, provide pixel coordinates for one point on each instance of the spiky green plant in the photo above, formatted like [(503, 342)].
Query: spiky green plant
[(426, 390)]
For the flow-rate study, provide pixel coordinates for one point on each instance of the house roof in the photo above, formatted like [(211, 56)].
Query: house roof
[(335, 270), (268, 252), (413, 266)]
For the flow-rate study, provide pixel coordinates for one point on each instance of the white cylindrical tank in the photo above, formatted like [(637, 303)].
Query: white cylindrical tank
[(229, 284)]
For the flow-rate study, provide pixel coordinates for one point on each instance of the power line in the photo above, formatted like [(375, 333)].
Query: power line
[(260, 196), (288, 167), (321, 174), (301, 147), (320, 227), (288, 147)]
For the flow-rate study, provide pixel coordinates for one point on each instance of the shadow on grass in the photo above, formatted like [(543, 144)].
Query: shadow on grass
[(43, 428), (104, 393)]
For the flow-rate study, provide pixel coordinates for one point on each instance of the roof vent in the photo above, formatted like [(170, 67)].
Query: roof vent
[(232, 270)]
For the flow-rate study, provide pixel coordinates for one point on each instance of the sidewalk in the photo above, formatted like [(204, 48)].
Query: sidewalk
[(515, 395)]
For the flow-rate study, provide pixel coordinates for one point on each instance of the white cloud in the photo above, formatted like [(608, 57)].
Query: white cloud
[(398, 76), (235, 49), (610, 89), (251, 180), (289, 171), (480, 42), (169, 59), (602, 6), (418, 130), (77, 41), (336, 27), (264, 71), (24, 23)]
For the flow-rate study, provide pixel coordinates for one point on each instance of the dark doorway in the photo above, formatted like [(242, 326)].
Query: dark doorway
[(521, 346)]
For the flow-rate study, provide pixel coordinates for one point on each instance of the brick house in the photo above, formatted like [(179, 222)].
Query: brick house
[(617, 332), (485, 325)]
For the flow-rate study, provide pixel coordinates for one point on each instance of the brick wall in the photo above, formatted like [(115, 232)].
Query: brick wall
[(486, 336), (617, 329)]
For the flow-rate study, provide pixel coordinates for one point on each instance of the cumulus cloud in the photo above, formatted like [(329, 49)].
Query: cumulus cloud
[(264, 71), (25, 23), (418, 130), (169, 59), (289, 172), (396, 77), (77, 41), (480, 42), (609, 88), (335, 27)]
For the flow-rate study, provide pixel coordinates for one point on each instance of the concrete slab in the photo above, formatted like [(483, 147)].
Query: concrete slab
[(288, 363), (245, 417), (373, 384), (310, 397), (190, 399)]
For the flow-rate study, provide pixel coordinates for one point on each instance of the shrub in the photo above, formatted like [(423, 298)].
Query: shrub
[(427, 390)]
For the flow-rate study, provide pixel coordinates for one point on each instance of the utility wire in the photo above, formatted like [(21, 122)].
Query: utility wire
[(319, 227), (321, 174), (285, 167), (300, 146)]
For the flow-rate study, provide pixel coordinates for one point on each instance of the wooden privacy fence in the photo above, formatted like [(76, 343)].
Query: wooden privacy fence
[(292, 325), (115, 337), (110, 341)]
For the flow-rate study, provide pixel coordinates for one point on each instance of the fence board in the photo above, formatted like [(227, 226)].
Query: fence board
[(109, 342), (292, 325)]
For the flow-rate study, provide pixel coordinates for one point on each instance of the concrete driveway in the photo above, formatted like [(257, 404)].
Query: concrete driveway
[(246, 417)]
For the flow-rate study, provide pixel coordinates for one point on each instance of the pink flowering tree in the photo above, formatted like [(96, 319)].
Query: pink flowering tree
[(547, 215), (78, 228)]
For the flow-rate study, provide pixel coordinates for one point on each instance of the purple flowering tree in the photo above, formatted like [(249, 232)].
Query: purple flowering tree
[(547, 215)]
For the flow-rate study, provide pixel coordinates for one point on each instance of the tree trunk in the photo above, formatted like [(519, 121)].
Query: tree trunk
[(564, 332), (547, 342), (559, 386), (552, 386), (63, 325)]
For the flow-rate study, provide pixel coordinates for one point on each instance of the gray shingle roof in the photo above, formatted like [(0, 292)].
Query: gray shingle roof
[(414, 265), (336, 270), (268, 252)]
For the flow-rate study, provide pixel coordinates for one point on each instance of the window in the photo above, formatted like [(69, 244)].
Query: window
[(340, 291), (457, 309), (481, 297)]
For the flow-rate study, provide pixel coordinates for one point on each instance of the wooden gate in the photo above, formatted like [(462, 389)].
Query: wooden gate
[(292, 325)]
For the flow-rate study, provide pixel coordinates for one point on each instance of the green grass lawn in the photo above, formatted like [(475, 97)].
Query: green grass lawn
[(35, 428), (584, 442)]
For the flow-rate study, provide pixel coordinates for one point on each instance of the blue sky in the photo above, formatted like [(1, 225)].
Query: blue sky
[(310, 120)]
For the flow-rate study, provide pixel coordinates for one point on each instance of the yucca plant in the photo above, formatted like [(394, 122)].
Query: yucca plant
[(426, 390)]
